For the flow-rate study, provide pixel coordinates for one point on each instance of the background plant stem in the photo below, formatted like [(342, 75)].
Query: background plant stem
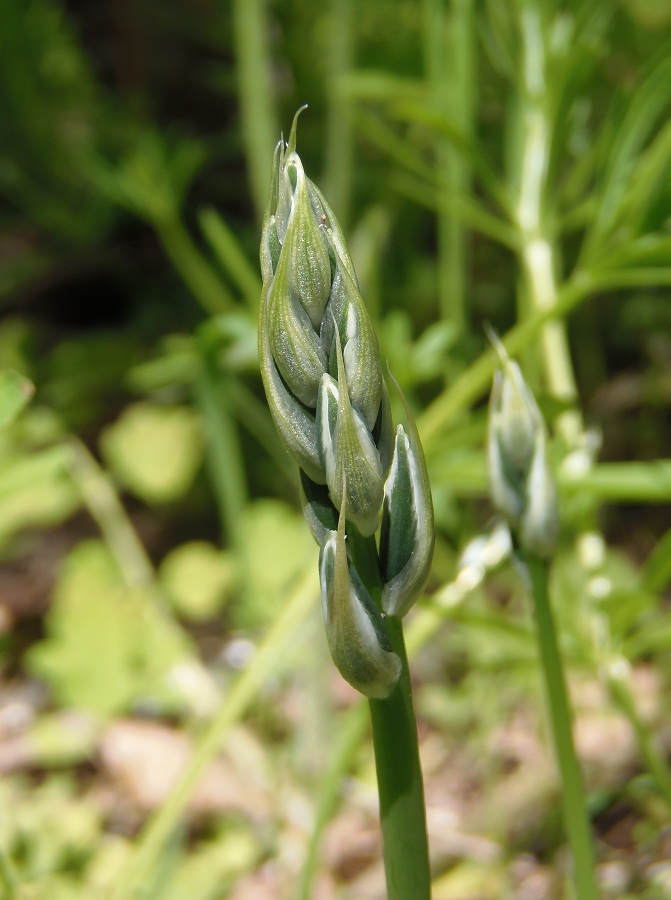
[(448, 59), (397, 762), (574, 806), (198, 274), (537, 253), (7, 878), (339, 133), (271, 655), (259, 129)]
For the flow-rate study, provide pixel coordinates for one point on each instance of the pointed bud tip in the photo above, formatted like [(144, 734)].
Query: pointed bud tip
[(291, 143)]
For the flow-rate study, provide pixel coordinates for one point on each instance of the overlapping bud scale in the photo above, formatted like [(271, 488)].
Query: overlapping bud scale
[(322, 374)]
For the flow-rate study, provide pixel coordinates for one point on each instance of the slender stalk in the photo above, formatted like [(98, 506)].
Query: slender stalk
[(339, 130), (573, 802), (475, 381), (350, 736), (536, 248), (458, 169), (259, 130), (229, 254), (270, 657), (224, 454), (618, 680), (8, 880), (397, 762), (102, 502), (448, 54), (199, 276)]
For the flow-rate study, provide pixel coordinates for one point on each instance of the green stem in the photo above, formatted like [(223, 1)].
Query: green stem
[(350, 736), (448, 53), (224, 454), (475, 381), (623, 696), (537, 253), (102, 502), (339, 145), (270, 658), (232, 259), (574, 806), (399, 773), (195, 270), (257, 111), (8, 880), (399, 781)]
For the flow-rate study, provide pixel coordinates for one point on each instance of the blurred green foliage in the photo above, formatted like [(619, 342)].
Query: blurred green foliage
[(491, 161)]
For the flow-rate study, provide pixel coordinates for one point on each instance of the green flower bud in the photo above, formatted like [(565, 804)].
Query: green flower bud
[(294, 343), (270, 242), (355, 630), (318, 510), (521, 484), (311, 302), (407, 536), (361, 354), (348, 452), (295, 424), (309, 268)]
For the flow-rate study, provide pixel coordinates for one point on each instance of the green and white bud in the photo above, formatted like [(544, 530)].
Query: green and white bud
[(407, 535), (322, 373), (294, 343), (313, 327), (318, 510), (295, 424), (361, 353), (349, 453), (355, 630), (521, 485)]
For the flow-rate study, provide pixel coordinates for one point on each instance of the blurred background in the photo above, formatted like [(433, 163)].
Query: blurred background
[(171, 725)]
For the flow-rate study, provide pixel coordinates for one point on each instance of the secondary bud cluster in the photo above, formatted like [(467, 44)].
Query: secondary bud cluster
[(521, 484), (322, 374)]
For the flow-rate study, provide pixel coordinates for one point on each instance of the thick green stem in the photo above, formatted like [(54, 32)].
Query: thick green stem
[(574, 806), (399, 773), (399, 781)]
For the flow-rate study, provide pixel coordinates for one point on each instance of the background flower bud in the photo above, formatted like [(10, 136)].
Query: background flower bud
[(521, 484)]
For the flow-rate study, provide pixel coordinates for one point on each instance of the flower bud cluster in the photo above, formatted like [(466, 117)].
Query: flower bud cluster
[(521, 483), (322, 374)]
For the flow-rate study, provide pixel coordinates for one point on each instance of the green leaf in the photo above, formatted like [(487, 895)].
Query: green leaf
[(36, 489), (155, 451), (198, 579), (107, 645)]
